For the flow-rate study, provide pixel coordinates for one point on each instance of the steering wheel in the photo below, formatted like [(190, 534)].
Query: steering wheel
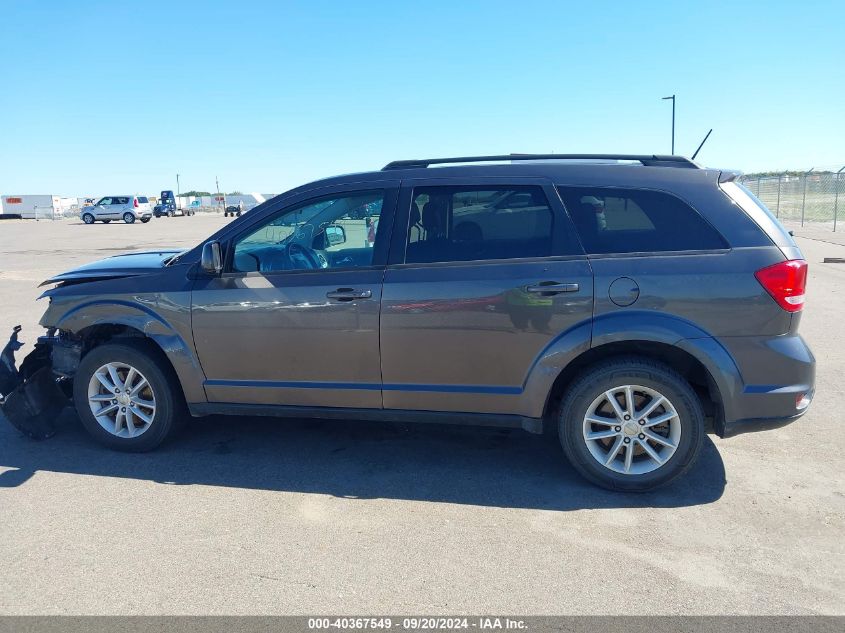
[(297, 254)]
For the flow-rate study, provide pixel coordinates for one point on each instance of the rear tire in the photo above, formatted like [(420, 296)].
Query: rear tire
[(597, 436), (88, 218), (162, 404), (129, 218)]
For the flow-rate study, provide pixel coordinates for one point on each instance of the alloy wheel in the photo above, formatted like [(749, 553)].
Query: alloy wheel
[(121, 399), (631, 429)]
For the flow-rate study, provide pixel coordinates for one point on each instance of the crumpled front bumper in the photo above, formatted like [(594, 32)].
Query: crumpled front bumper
[(31, 397)]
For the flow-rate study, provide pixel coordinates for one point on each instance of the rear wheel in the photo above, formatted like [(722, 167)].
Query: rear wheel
[(631, 424), (124, 397), (88, 218), (129, 218)]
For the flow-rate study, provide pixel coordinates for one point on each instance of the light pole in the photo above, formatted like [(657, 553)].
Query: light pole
[(673, 121)]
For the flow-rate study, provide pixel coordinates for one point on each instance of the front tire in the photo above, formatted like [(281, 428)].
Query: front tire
[(129, 218), (124, 398), (88, 218), (631, 424)]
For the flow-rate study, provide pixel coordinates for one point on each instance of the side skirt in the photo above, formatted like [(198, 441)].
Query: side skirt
[(532, 425)]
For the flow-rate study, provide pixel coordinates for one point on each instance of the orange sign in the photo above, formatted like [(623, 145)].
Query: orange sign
[(14, 200)]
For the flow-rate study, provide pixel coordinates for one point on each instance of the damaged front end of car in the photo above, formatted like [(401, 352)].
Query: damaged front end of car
[(33, 395)]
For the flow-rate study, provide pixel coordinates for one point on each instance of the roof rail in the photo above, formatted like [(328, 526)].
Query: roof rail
[(651, 160)]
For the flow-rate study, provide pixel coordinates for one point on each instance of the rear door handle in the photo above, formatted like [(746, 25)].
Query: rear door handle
[(349, 294), (552, 287)]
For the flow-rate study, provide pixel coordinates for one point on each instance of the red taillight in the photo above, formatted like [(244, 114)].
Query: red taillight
[(135, 202), (785, 282)]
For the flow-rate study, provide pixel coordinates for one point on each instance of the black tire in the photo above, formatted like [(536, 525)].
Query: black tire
[(129, 218), (149, 361), (106, 221), (630, 371), (88, 218), (144, 220)]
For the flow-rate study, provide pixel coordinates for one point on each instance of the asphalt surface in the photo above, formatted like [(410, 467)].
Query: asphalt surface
[(263, 516)]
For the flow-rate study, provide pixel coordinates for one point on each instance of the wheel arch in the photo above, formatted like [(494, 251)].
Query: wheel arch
[(96, 323), (676, 342), (675, 357)]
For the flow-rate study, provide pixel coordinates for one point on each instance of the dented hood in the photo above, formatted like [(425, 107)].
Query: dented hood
[(129, 265)]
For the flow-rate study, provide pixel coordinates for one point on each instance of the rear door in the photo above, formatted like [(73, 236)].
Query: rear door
[(484, 274)]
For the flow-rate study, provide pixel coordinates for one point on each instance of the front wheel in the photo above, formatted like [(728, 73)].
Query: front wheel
[(124, 397), (129, 218), (631, 424), (88, 218)]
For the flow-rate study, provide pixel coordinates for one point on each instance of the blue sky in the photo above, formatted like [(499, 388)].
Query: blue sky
[(113, 96)]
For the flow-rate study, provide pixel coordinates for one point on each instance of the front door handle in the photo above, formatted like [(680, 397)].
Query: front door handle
[(552, 288), (349, 294)]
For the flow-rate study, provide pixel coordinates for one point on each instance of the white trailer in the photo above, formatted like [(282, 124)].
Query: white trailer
[(38, 206)]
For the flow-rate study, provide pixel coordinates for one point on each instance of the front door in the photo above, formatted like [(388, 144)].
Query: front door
[(483, 276), (293, 319), (103, 208)]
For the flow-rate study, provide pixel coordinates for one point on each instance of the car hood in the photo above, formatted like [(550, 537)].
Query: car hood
[(129, 265)]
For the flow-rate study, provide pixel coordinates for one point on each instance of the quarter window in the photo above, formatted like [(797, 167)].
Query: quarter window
[(464, 224), (613, 220)]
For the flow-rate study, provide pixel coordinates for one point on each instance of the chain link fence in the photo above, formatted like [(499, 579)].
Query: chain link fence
[(816, 196)]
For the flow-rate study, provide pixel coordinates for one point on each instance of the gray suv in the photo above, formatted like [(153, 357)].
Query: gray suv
[(629, 307)]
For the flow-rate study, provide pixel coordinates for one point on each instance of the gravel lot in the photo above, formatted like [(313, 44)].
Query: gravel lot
[(249, 516)]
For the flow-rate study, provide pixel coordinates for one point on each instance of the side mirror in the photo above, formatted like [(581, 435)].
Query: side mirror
[(211, 260), (335, 234)]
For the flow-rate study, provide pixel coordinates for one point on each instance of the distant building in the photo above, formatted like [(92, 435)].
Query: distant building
[(37, 206)]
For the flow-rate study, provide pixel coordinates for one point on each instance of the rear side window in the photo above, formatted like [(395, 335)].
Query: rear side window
[(143, 200), (120, 200), (611, 220), (450, 224)]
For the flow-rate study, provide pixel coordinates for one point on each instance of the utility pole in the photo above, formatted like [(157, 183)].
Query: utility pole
[(836, 199), (217, 182), (673, 121)]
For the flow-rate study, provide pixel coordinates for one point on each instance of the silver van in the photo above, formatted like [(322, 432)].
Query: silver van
[(126, 208)]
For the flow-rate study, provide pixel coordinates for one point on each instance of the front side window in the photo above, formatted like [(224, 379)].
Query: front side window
[(450, 224), (611, 220), (337, 231), (104, 201)]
